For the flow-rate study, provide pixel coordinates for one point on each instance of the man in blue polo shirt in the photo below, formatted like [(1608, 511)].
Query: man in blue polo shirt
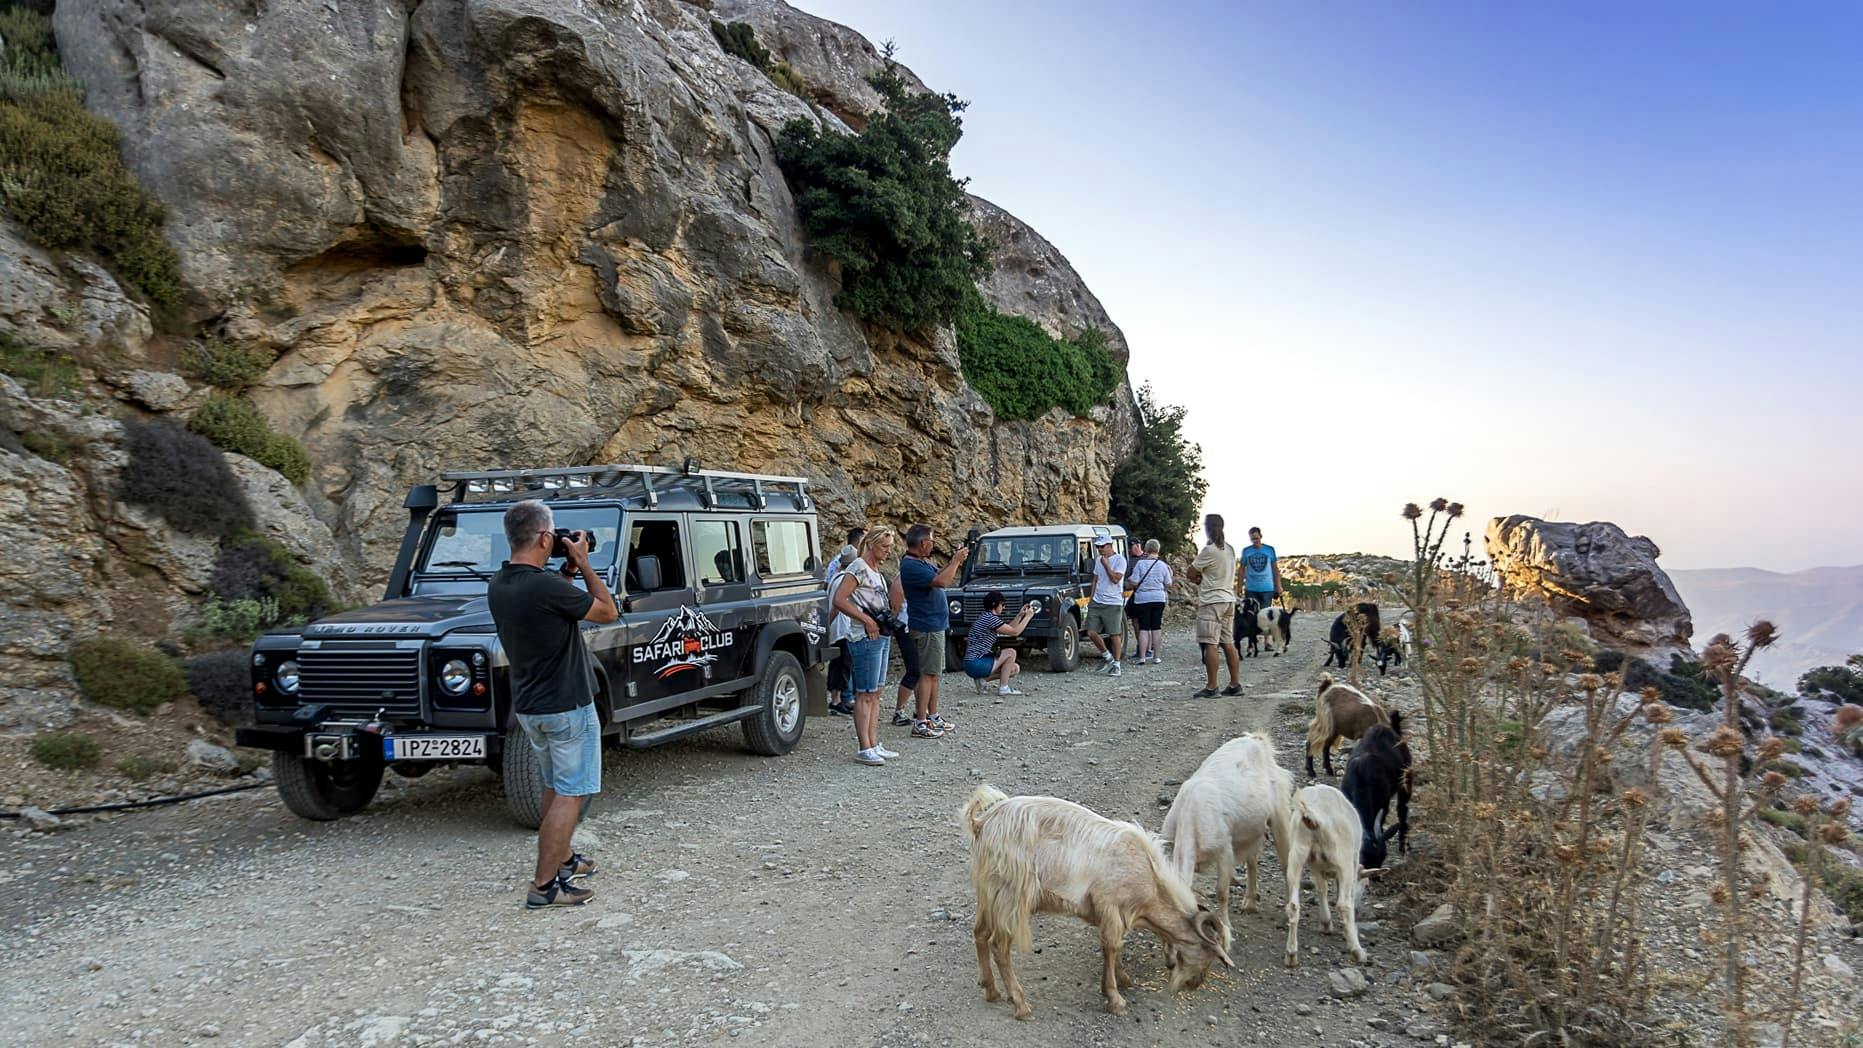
[(928, 616), (1261, 571)]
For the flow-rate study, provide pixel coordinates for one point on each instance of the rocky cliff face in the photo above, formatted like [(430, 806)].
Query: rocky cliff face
[(519, 233)]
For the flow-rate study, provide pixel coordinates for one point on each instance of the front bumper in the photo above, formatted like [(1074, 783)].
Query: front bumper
[(344, 741)]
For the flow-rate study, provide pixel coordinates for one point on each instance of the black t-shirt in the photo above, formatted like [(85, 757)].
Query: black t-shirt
[(537, 613)]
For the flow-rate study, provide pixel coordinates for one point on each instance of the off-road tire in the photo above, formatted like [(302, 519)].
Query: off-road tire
[(779, 695), (523, 779), (321, 792), (1064, 650)]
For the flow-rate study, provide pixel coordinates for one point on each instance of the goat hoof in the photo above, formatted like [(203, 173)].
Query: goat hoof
[(1025, 1013), (1116, 1007), (990, 994), (1293, 960)]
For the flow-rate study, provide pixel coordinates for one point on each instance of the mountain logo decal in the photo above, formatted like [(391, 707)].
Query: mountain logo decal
[(684, 643)]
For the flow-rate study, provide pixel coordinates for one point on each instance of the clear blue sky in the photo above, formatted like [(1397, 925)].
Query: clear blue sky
[(1600, 261)]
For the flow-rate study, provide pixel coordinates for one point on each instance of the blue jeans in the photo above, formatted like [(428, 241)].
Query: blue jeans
[(869, 662), (979, 668), (569, 749)]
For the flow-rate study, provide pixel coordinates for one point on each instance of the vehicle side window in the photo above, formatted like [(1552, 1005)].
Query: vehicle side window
[(1086, 557), (716, 554), (656, 538), (781, 547)]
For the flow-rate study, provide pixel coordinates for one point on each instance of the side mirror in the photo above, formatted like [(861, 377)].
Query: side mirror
[(647, 571)]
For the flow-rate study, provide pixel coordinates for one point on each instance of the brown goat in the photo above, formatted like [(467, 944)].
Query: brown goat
[(1340, 711), (1032, 855)]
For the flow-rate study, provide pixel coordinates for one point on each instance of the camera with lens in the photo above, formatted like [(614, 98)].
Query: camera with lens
[(563, 534)]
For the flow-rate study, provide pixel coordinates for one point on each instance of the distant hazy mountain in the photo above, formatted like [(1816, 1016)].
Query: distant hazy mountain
[(1819, 612)]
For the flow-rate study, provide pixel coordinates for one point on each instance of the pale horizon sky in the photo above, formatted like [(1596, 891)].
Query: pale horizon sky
[(1581, 261)]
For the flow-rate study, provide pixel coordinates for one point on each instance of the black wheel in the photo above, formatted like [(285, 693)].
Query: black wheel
[(411, 769), (777, 727), (953, 654), (523, 779), (1064, 649), (322, 791)]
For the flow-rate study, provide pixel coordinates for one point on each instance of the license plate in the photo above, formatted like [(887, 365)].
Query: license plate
[(432, 747)]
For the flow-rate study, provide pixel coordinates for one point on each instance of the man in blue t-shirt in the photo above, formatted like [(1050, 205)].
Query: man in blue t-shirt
[(1261, 571), (927, 618)]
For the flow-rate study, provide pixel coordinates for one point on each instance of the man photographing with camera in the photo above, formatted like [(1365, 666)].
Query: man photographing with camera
[(538, 615)]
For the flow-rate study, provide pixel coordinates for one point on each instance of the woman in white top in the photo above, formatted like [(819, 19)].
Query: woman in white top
[(864, 606), (1149, 580)]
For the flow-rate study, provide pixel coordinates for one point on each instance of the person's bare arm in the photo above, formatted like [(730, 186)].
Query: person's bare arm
[(1277, 576), (844, 603), (896, 591), (1015, 626), (949, 575), (604, 609), (1111, 575)]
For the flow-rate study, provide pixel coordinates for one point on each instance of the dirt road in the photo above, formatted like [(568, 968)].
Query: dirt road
[(799, 900)]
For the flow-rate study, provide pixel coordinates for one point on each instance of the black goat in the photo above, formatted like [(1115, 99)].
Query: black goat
[(1377, 773), (1248, 628), (1340, 637)]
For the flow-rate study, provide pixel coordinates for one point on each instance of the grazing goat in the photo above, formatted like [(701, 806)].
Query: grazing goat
[(1340, 711), (1339, 638), (1032, 855), (1248, 628), (1378, 772), (1225, 810), (1324, 844), (1276, 624)]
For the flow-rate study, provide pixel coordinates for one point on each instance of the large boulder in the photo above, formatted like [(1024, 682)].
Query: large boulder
[(834, 61), (1595, 571)]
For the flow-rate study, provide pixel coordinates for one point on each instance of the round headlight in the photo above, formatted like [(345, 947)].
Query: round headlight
[(258, 658), (957, 607), (286, 676), (455, 676), (1035, 602)]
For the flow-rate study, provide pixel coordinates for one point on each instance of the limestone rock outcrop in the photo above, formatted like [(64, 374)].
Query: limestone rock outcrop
[(502, 233), (1594, 571)]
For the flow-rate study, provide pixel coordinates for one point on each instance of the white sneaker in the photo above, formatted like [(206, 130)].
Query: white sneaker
[(1114, 672), (869, 757), (1008, 691), (884, 752)]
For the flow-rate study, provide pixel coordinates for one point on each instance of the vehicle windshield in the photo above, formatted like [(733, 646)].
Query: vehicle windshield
[(472, 542), (1027, 553)]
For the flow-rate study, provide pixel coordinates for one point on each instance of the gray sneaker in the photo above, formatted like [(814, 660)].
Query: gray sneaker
[(1114, 671), (559, 892)]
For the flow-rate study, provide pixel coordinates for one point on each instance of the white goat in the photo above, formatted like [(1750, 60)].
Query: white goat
[(1325, 831), (1225, 810), (1032, 855)]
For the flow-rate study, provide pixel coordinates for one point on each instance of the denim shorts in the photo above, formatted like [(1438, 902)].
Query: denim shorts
[(869, 662), (569, 749), (979, 668)]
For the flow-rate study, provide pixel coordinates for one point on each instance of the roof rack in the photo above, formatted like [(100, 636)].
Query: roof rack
[(648, 482)]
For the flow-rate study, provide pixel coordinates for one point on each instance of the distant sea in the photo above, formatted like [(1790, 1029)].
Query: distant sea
[(1819, 613)]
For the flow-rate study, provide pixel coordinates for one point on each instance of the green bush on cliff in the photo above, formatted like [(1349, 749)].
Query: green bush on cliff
[(61, 173), (183, 478), (1157, 489), (884, 205), (228, 365), (235, 424), (258, 584), (125, 675), (43, 372), (1023, 371), (740, 39)]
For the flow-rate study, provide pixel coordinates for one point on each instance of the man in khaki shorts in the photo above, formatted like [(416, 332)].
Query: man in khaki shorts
[(1214, 572), (1106, 611)]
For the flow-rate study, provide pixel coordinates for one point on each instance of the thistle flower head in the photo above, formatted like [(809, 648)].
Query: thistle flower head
[(1484, 811), (1573, 655), (1590, 681), (1455, 510), (1674, 738), (1471, 666), (1517, 663), (1772, 782), (1834, 833), (1566, 853), (1657, 712), (1762, 634), (1719, 895), (1437, 505), (1771, 746), (1720, 655), (1411, 512), (1724, 742), (1804, 804), (1635, 798), (1651, 693), (1848, 716), (1547, 669), (1839, 808)]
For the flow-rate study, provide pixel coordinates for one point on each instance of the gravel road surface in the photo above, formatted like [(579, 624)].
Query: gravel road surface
[(797, 900)]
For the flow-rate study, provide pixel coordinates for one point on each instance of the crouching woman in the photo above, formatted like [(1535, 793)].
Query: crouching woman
[(980, 663)]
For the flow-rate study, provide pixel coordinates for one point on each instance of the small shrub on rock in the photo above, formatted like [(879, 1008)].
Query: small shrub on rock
[(740, 39), (67, 751), (228, 365), (62, 176), (1023, 371), (182, 477), (235, 424), (254, 568), (124, 675), (49, 446), (222, 682), (42, 372)]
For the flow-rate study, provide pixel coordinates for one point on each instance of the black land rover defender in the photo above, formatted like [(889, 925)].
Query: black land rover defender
[(1052, 565), (721, 604)]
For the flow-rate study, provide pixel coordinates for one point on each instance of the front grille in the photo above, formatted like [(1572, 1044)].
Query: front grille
[(1012, 603), (351, 680)]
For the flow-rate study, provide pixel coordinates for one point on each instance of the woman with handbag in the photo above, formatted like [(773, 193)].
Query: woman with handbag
[(864, 614), (1149, 581)]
